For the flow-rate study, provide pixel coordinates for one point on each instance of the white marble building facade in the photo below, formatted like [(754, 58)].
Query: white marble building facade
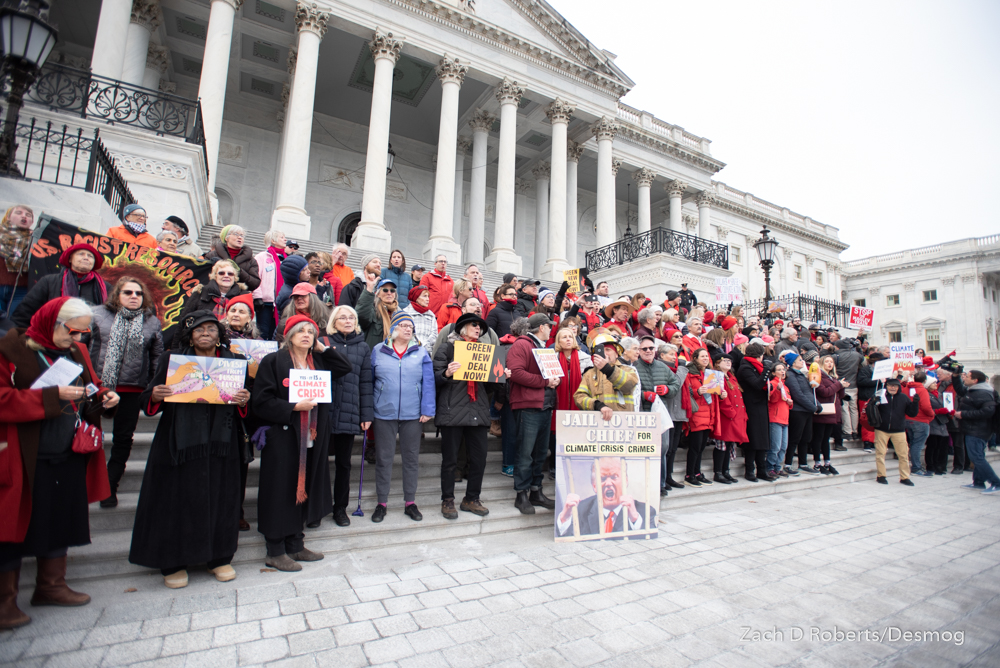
[(940, 298), (512, 146)]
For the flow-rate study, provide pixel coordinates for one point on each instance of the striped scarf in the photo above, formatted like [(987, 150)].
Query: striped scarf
[(124, 342)]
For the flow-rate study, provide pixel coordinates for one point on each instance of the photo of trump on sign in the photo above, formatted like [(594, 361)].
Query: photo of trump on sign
[(610, 505)]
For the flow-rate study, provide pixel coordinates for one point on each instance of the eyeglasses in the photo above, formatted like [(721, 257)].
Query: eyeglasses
[(389, 291), (234, 234), (226, 273), (647, 350), (137, 216), (345, 318), (130, 293), (75, 332)]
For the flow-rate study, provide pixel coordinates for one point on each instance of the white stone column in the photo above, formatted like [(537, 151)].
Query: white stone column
[(463, 145), (109, 44), (521, 208), (290, 213), (480, 123), (808, 269), (145, 18), (704, 213), (541, 174), (833, 280), (675, 189), (451, 73), (559, 113), (156, 66), (212, 86), (503, 258), (573, 153), (286, 95), (644, 178), (371, 233), (604, 131)]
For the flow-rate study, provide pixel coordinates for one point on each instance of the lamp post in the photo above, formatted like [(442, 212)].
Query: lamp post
[(766, 247), (628, 214), (26, 39)]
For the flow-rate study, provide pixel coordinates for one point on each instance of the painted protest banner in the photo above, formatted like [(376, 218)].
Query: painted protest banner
[(310, 385), (548, 362), (775, 306), (572, 276), (480, 362), (204, 380), (607, 476), (882, 370), (861, 318), (170, 279), (902, 355), (252, 351), (728, 290)]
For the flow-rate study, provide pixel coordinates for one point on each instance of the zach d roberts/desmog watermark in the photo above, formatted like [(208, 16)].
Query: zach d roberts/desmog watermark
[(885, 634)]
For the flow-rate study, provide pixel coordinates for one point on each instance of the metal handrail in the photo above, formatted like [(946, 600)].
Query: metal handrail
[(659, 240)]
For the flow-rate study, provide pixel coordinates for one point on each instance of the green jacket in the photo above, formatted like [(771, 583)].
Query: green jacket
[(651, 375), (370, 320)]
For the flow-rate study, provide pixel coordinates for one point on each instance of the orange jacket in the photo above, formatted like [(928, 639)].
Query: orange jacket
[(442, 289), (448, 314), (343, 272), (124, 234)]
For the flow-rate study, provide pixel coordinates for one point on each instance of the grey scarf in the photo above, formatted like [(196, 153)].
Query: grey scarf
[(124, 342)]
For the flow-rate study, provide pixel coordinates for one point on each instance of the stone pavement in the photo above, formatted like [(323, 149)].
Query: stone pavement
[(831, 576)]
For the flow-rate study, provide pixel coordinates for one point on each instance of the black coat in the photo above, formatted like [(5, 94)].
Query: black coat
[(352, 394), (351, 293), (278, 515), (454, 407), (203, 299), (48, 288), (895, 411), (977, 408), (754, 386), (249, 273), (525, 304), (501, 317), (866, 386), (188, 513)]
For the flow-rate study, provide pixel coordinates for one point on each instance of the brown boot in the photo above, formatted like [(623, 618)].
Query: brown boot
[(50, 585), (10, 615)]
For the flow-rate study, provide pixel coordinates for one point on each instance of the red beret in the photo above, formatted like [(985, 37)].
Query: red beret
[(709, 317), (68, 253), (414, 293), (246, 299), (728, 322), (296, 319)]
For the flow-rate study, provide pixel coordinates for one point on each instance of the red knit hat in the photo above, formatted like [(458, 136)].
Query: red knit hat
[(296, 319), (68, 253), (246, 300), (414, 293), (709, 317), (728, 322)]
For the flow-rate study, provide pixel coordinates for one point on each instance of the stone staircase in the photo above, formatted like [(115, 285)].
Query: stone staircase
[(111, 529), (255, 239)]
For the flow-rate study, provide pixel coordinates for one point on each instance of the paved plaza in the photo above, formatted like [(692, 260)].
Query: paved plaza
[(850, 575)]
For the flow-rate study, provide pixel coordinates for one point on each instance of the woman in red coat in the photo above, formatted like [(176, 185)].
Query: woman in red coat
[(703, 416), (44, 485), (731, 429)]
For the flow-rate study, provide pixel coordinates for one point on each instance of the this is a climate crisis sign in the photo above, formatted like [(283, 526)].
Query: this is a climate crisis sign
[(309, 385)]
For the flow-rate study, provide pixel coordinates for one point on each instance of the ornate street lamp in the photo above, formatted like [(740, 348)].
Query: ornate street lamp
[(26, 39), (390, 158), (766, 248)]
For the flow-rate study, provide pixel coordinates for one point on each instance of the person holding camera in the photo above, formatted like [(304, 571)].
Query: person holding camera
[(608, 385)]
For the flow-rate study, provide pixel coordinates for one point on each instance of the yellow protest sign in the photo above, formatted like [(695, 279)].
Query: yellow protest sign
[(572, 276), (479, 362)]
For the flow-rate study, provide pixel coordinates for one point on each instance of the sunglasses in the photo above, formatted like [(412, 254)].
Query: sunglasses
[(226, 273), (389, 291), (76, 332), (647, 350), (130, 293)]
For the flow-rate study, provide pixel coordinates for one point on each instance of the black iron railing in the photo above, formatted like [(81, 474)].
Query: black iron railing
[(79, 92), (58, 155), (807, 307), (659, 240)]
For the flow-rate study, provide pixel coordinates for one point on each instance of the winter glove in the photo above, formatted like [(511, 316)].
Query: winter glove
[(649, 396), (661, 390)]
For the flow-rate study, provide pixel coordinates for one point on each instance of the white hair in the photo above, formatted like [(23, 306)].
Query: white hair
[(664, 346), (74, 308), (628, 343), (235, 229), (788, 331), (646, 314)]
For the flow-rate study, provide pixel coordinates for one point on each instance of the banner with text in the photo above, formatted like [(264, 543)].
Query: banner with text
[(310, 385), (548, 363), (480, 362), (252, 351), (204, 380), (861, 318), (902, 355), (607, 476), (728, 290), (169, 278)]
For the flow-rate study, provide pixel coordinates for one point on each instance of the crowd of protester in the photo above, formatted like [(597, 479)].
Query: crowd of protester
[(783, 393)]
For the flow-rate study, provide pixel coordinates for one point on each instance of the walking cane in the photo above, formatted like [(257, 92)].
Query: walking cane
[(361, 481)]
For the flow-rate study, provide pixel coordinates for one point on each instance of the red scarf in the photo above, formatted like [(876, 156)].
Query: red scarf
[(470, 387), (233, 252), (569, 384), (278, 256), (420, 309), (757, 364), (510, 300), (44, 321), (307, 432), (71, 282)]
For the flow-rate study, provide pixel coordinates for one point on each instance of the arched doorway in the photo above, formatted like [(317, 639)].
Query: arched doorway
[(347, 227)]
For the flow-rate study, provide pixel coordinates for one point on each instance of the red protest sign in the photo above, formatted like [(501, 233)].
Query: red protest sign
[(861, 318)]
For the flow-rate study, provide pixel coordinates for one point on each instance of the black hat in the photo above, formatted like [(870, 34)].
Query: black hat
[(470, 318), (193, 320), (531, 281), (892, 381), (179, 223), (417, 267), (875, 356), (507, 278), (291, 243), (716, 354), (684, 285), (672, 295), (537, 320)]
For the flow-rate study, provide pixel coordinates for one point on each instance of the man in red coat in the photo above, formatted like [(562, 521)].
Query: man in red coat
[(439, 284), (532, 399)]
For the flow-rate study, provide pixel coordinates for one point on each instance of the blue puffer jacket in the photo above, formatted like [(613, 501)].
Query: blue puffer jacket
[(803, 398), (353, 402), (404, 388), (404, 283), (290, 270)]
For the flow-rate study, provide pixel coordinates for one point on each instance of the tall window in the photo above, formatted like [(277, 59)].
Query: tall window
[(895, 337), (798, 272), (736, 254), (819, 278), (860, 302), (930, 295), (892, 300), (933, 340)]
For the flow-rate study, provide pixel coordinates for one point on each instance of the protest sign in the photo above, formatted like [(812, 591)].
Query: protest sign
[(902, 354), (572, 276), (253, 351), (607, 465), (204, 380), (548, 363), (861, 318), (948, 400), (480, 362), (309, 385), (728, 290), (712, 381), (168, 279), (882, 370), (775, 306)]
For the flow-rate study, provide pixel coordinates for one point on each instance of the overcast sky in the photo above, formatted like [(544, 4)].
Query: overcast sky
[(880, 118)]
